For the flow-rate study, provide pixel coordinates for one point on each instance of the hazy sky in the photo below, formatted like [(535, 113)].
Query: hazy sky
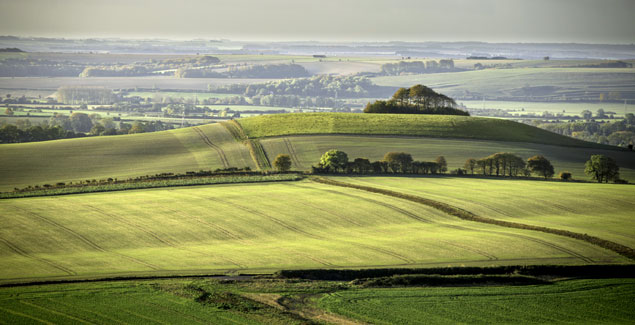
[(587, 21)]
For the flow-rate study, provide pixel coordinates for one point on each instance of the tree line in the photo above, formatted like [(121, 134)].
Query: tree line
[(316, 86), (417, 99), (503, 164), (336, 161), (247, 71), (61, 126), (617, 133), (418, 67)]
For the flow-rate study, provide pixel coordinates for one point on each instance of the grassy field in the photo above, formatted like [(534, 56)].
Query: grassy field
[(177, 151), (553, 83), (136, 302), (554, 108), (576, 301), (602, 210), (306, 151), (438, 126), (239, 228)]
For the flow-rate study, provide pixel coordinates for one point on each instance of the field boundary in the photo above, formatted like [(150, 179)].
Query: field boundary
[(258, 154), (235, 130), (466, 215)]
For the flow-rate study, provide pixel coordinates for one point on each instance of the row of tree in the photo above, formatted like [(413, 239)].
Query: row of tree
[(85, 95), (417, 99), (322, 86), (419, 67), (10, 133), (508, 164), (601, 168), (336, 161)]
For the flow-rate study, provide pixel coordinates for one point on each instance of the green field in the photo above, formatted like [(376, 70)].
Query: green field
[(602, 210), (438, 126), (239, 228), (305, 151), (610, 301), (176, 151), (136, 302), (524, 84)]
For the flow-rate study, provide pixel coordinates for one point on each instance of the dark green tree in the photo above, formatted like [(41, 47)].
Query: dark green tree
[(334, 160), (282, 162), (540, 165), (81, 122), (602, 168), (399, 162)]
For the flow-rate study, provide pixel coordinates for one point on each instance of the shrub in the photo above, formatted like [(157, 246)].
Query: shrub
[(565, 176)]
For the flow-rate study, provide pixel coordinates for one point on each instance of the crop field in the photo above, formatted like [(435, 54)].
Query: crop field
[(135, 302), (554, 108), (8, 84), (239, 228), (602, 210), (439, 126), (554, 83), (306, 151), (188, 149), (577, 301)]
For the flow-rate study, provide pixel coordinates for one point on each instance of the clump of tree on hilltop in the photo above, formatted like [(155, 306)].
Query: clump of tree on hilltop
[(417, 99)]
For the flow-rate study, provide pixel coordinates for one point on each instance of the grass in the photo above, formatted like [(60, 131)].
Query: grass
[(577, 301), (240, 228), (554, 83), (306, 151), (439, 126), (176, 151), (271, 301), (188, 301), (602, 210)]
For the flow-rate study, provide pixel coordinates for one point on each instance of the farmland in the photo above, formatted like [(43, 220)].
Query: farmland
[(212, 228), (585, 301), (553, 107), (524, 84), (608, 205), (178, 151), (112, 244), (125, 156)]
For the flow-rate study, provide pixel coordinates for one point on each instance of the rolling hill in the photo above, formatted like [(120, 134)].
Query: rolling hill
[(304, 136), (261, 228)]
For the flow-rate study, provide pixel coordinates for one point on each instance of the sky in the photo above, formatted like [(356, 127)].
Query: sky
[(575, 21)]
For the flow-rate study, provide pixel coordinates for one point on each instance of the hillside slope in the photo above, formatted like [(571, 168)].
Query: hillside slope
[(438, 126), (204, 147)]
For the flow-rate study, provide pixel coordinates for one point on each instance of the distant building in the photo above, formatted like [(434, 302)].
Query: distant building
[(321, 56)]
